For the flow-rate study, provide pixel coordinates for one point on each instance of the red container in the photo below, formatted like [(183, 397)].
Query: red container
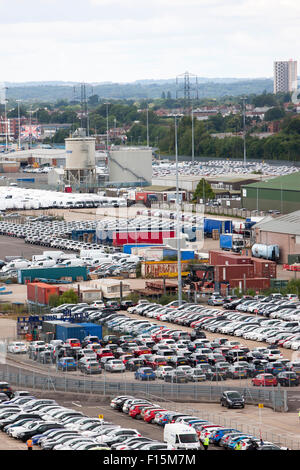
[(40, 292), (217, 257), (122, 238), (264, 268), (233, 271), (256, 283)]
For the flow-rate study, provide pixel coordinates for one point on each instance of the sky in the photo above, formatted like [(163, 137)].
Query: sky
[(128, 40)]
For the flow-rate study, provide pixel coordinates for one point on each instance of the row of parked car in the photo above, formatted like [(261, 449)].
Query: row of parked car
[(152, 413), (54, 427), (276, 332), (174, 355)]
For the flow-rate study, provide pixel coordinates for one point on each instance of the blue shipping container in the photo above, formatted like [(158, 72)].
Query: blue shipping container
[(224, 226), (78, 330), (70, 330), (128, 248)]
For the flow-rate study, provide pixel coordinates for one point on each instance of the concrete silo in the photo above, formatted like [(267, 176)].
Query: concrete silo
[(80, 169), (131, 165)]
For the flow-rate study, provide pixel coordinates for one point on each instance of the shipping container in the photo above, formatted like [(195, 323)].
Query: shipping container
[(223, 226), (127, 248), (264, 268), (92, 329), (218, 257), (70, 330), (153, 237), (253, 283), (72, 273), (39, 292), (163, 268), (233, 271)]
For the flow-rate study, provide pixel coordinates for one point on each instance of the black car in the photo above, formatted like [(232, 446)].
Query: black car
[(232, 399), (40, 428), (134, 364), (235, 355), (288, 379)]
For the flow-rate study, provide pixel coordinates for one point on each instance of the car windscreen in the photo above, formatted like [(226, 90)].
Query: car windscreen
[(234, 395), (187, 438)]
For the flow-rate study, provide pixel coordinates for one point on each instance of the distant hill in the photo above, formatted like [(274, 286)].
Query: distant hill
[(208, 88)]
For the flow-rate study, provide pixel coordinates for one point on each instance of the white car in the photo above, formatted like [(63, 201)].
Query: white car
[(273, 354), (162, 371), (17, 347)]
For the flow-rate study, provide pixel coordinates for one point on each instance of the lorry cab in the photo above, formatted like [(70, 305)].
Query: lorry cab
[(181, 436)]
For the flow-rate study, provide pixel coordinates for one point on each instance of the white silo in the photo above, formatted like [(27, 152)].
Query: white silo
[(130, 165), (80, 169)]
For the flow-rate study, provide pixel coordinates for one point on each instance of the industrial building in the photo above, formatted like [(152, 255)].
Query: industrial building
[(130, 166), (283, 231), (280, 194)]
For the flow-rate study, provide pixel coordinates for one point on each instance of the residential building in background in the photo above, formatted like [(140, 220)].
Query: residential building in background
[(285, 76)]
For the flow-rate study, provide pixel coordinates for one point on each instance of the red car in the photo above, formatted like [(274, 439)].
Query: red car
[(266, 380), (150, 414), (141, 350), (156, 361), (126, 358), (136, 409), (104, 353), (161, 335), (73, 343)]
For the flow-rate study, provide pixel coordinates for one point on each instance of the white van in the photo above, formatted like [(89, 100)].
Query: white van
[(44, 263), (72, 262), (181, 436), (18, 264)]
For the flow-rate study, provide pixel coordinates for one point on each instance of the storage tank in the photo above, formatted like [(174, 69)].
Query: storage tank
[(80, 169), (80, 153), (130, 164), (271, 252)]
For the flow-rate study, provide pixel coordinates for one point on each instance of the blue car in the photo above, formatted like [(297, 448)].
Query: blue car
[(220, 433), (67, 363), (144, 373)]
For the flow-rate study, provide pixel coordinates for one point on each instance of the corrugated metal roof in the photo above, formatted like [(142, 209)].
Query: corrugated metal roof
[(289, 223), (287, 182)]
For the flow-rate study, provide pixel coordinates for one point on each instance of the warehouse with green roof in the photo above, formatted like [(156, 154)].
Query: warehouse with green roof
[(281, 194)]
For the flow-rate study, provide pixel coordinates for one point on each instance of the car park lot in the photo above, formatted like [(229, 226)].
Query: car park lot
[(137, 343), (71, 416)]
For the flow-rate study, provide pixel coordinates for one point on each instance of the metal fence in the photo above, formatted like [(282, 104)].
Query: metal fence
[(275, 398), (173, 396)]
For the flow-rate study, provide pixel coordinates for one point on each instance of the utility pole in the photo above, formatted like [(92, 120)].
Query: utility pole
[(193, 140), (147, 125), (244, 130), (107, 126), (178, 223), (19, 122)]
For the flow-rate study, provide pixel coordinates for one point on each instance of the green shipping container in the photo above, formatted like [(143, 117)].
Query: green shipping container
[(75, 273)]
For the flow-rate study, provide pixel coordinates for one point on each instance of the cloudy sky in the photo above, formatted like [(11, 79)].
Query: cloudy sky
[(127, 40)]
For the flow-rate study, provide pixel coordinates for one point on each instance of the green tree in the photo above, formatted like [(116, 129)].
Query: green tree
[(203, 191), (274, 113)]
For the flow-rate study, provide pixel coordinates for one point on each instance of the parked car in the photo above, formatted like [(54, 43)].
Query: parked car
[(265, 380), (232, 399), (288, 379), (145, 373), (67, 363)]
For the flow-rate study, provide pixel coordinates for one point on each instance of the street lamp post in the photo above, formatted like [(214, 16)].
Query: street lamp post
[(193, 140), (178, 223), (19, 123)]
